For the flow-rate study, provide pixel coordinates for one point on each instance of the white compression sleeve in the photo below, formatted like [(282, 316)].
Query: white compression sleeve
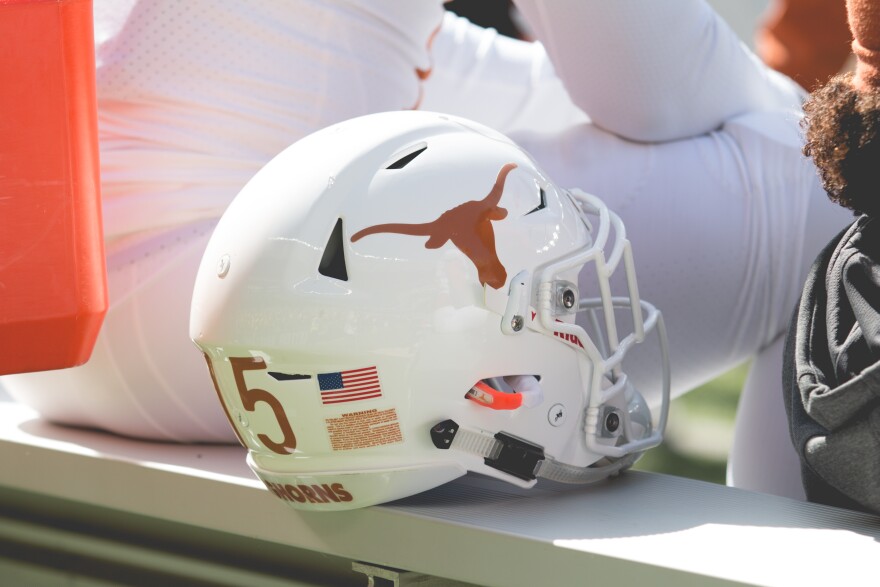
[(504, 83), (654, 71)]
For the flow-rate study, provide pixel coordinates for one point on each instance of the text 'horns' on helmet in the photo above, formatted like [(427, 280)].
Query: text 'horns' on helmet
[(402, 298)]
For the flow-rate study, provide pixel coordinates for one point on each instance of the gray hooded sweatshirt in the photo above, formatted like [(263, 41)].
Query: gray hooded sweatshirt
[(831, 372)]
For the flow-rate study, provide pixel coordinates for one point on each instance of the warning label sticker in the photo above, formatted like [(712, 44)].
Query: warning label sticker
[(364, 429)]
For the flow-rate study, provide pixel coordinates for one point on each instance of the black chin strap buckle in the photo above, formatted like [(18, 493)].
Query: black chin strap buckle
[(516, 457), (504, 452)]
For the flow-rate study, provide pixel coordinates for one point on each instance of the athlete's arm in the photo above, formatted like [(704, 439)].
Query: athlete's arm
[(504, 83), (654, 71)]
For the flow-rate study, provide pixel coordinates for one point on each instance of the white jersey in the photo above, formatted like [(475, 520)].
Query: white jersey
[(724, 213), (195, 96)]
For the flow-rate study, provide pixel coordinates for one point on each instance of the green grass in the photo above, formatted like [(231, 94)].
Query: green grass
[(699, 419)]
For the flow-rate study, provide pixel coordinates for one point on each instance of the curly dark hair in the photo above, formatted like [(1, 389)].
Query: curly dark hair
[(842, 128)]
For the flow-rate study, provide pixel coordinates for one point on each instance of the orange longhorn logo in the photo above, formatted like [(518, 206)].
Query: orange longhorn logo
[(468, 226)]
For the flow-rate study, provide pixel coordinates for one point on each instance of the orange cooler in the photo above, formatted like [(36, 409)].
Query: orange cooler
[(53, 288)]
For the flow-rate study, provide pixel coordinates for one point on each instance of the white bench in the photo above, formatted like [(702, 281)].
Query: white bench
[(122, 502)]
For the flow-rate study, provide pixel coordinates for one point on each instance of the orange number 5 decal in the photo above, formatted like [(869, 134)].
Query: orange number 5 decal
[(250, 397)]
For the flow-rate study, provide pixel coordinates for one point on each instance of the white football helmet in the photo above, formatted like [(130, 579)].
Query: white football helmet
[(390, 303)]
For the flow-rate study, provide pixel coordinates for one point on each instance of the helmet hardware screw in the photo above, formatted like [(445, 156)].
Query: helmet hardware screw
[(612, 422), (516, 323), (568, 299)]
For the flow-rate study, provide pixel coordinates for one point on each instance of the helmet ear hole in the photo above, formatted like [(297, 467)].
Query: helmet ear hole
[(333, 261)]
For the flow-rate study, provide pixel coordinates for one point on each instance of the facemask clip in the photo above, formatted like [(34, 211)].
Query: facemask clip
[(516, 312)]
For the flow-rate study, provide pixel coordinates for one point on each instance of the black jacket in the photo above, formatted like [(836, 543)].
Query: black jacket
[(831, 372)]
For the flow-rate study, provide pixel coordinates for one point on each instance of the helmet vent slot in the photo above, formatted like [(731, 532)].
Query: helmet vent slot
[(333, 261), (408, 158), (542, 204)]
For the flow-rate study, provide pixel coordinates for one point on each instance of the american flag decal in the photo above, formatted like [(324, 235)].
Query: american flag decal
[(349, 386)]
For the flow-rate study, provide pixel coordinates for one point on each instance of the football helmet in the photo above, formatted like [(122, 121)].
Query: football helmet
[(394, 301)]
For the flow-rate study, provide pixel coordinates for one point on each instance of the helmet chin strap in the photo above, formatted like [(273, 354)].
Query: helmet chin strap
[(563, 473), (521, 459)]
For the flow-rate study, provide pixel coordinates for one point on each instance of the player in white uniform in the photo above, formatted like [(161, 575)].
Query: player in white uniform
[(722, 209)]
